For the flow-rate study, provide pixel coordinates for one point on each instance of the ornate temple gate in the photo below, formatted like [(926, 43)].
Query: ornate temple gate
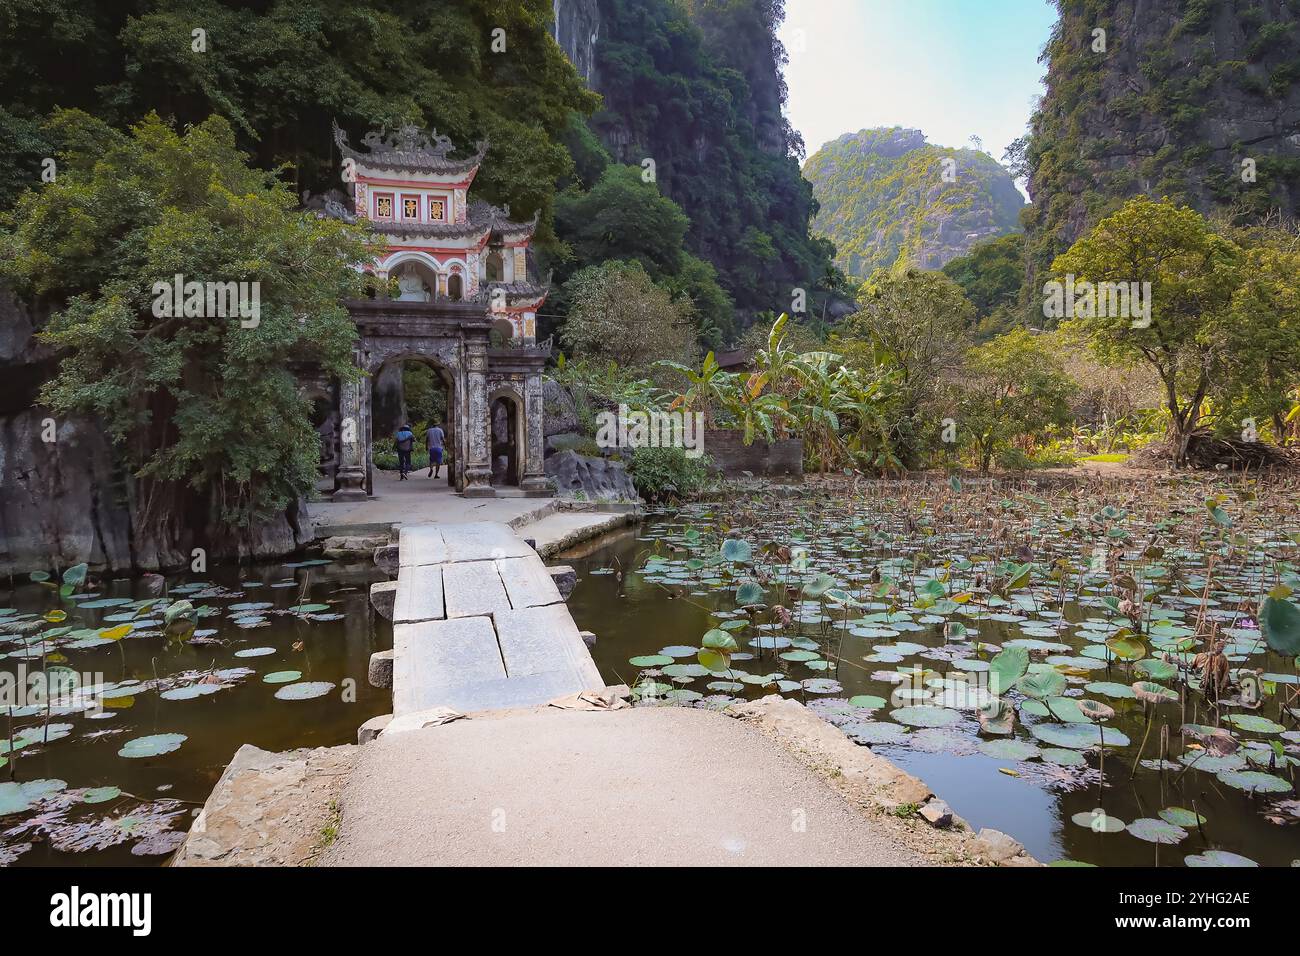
[(454, 337)]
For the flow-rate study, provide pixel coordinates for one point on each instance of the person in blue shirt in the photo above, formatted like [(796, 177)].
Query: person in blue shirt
[(405, 445), (434, 438)]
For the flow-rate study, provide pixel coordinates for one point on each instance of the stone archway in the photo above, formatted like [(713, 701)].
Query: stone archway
[(453, 338)]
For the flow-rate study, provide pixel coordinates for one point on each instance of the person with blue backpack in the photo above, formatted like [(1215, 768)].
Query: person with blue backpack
[(405, 439)]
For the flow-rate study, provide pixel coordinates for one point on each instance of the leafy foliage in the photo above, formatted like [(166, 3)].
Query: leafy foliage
[(280, 71), (1011, 386), (619, 314), (662, 473), (202, 403), (992, 277)]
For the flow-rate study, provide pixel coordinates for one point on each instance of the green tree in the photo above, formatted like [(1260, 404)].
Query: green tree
[(205, 411), (1261, 333), (1192, 274), (913, 322), (1009, 387), (620, 314), (623, 217), (992, 276)]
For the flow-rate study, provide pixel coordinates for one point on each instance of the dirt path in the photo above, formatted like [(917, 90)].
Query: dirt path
[(644, 786)]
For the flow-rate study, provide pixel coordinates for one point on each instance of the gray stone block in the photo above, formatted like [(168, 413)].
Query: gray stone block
[(436, 656), (473, 589), (565, 578), (527, 582), (383, 594), (422, 544), (380, 671), (372, 728), (536, 640), (419, 594)]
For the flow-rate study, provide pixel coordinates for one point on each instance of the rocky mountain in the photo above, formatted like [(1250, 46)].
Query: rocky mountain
[(888, 197), (1197, 100), (694, 88), (576, 28)]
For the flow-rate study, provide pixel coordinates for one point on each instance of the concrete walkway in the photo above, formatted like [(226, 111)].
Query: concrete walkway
[(424, 500), (420, 500), (643, 786)]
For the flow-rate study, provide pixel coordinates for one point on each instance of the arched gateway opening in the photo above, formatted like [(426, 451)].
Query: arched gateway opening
[(419, 392), (507, 440)]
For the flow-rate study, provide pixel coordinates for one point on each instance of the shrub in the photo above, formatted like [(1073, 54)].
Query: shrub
[(661, 473)]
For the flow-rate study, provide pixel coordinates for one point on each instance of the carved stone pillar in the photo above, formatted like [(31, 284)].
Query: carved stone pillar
[(534, 482), (476, 423), (353, 451)]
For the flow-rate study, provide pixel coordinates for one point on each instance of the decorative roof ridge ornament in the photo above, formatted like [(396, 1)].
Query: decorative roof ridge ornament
[(408, 146)]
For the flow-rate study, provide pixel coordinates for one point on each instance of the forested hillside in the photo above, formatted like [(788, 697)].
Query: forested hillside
[(280, 71), (887, 197)]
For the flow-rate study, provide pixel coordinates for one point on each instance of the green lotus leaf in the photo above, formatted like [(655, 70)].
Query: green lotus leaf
[(1157, 831), (1040, 684), (1279, 622), (1006, 668)]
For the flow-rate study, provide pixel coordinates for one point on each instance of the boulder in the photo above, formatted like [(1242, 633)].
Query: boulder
[(936, 813), (387, 558), (996, 846), (595, 479), (559, 412), (352, 546)]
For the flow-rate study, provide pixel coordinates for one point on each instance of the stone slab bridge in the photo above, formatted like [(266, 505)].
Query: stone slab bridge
[(479, 623)]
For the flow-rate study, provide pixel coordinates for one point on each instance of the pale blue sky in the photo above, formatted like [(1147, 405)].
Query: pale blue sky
[(950, 68)]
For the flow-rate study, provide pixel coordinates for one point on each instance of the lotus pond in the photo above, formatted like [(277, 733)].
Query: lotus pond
[(156, 683), (1104, 670)]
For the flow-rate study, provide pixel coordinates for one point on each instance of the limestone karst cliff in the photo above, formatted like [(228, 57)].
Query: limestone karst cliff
[(1197, 100), (888, 197), (576, 29)]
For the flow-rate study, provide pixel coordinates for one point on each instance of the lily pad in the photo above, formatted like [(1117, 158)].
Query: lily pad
[(281, 677), (1218, 858), (155, 745), (1079, 736), (307, 690), (1157, 831), (1254, 781), (924, 715)]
